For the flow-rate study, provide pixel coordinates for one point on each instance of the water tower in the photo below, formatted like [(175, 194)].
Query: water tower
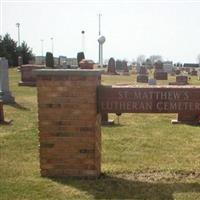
[(101, 40)]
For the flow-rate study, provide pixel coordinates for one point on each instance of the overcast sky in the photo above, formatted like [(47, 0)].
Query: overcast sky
[(168, 28)]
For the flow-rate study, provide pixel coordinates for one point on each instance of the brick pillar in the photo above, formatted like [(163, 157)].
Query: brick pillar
[(69, 124), (1, 113)]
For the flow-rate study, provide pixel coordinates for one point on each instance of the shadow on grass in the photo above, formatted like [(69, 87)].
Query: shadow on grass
[(110, 187), (18, 106), (113, 125)]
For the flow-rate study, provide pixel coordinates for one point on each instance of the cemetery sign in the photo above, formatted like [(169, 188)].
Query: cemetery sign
[(155, 99)]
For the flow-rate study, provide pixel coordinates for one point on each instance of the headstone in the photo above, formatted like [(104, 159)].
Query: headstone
[(86, 64), (143, 70), (112, 67), (142, 77), (5, 94), (20, 61), (152, 81), (159, 73), (1, 113), (125, 68), (182, 80), (27, 77), (193, 72), (105, 120), (118, 65), (177, 71)]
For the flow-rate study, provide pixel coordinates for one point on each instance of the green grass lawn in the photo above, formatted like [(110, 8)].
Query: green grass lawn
[(144, 157)]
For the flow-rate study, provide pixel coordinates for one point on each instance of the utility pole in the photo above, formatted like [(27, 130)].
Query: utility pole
[(83, 40), (52, 46), (42, 49), (18, 27), (99, 15)]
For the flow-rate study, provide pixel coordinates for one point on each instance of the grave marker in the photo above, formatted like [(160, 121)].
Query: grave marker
[(142, 77), (27, 77), (159, 73), (5, 94), (1, 113), (112, 67), (125, 68)]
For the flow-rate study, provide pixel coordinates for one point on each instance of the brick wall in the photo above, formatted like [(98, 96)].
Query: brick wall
[(69, 124)]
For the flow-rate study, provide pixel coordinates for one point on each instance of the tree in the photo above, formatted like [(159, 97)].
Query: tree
[(8, 46), (9, 50), (25, 52), (155, 58), (49, 60), (141, 59)]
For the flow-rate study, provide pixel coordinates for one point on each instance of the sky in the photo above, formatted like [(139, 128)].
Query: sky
[(149, 27)]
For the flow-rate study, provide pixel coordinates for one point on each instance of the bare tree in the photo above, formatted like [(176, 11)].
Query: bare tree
[(155, 58), (141, 59)]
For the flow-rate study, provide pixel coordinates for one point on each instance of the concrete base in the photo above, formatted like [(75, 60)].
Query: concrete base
[(6, 97), (6, 122), (108, 123), (27, 83), (175, 121)]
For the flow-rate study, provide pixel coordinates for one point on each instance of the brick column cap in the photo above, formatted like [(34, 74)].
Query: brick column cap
[(67, 72)]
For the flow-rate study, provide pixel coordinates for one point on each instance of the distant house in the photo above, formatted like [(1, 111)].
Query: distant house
[(71, 61), (191, 65), (61, 60), (168, 66), (39, 60)]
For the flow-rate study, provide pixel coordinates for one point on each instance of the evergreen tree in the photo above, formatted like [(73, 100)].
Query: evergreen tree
[(49, 60), (9, 50)]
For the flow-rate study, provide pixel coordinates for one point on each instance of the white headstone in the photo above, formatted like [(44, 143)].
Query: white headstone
[(5, 94)]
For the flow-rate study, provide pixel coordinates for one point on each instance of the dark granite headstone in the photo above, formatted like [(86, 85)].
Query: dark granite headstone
[(1, 113), (112, 67), (177, 71), (142, 70), (182, 80), (118, 65), (193, 72), (158, 66), (159, 73), (142, 77), (125, 68)]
